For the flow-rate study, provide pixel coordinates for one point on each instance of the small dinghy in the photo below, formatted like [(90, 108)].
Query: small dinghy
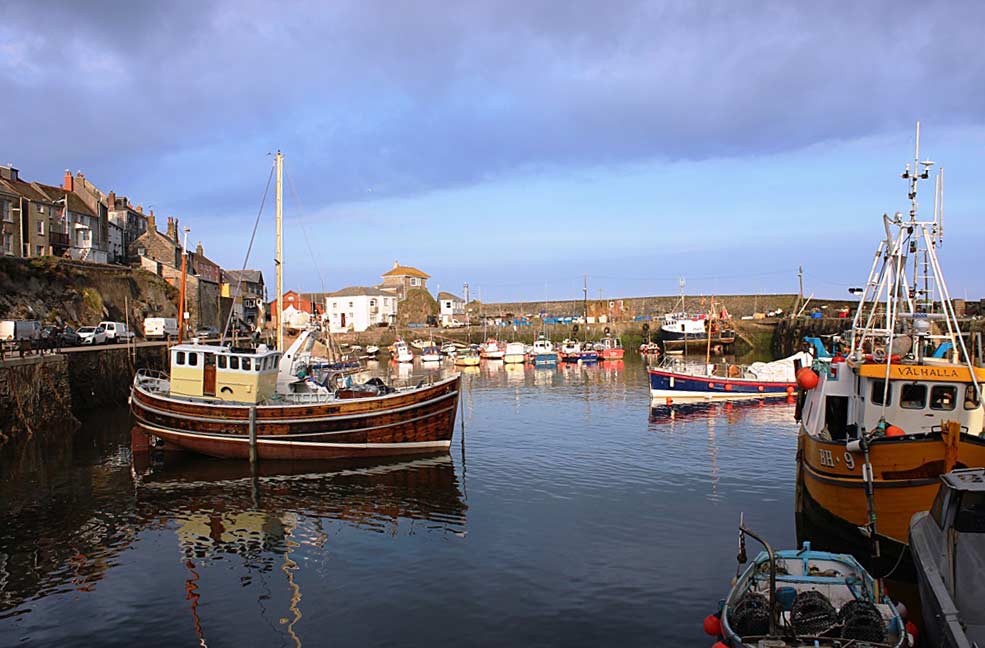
[(805, 599)]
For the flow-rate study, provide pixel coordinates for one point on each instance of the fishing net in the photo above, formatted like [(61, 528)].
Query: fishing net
[(751, 615), (861, 620), (812, 613)]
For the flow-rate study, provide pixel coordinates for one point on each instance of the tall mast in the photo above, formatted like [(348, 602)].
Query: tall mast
[(279, 260)]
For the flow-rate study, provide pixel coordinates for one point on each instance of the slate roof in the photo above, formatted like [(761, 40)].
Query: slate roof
[(359, 291), (447, 295), (75, 203), (406, 271), (249, 276)]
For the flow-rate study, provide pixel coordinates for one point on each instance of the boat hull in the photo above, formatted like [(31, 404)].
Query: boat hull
[(514, 358), (906, 476), (675, 385), (415, 422), (543, 359), (612, 354)]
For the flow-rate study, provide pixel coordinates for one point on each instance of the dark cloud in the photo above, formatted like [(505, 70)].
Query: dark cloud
[(185, 98)]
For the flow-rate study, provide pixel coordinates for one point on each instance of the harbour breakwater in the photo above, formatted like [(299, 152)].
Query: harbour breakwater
[(53, 391)]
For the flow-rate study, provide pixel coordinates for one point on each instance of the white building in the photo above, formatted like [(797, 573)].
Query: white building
[(452, 308), (358, 308)]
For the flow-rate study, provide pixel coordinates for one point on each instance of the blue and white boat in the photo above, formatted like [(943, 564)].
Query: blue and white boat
[(543, 352), (676, 380), (801, 598)]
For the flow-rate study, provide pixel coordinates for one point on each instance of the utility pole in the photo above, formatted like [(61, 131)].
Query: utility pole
[(467, 322), (584, 291)]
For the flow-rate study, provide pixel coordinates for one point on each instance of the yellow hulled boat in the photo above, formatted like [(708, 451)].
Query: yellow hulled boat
[(873, 439)]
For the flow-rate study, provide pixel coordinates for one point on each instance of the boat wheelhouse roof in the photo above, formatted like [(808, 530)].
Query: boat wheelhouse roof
[(969, 480), (215, 348)]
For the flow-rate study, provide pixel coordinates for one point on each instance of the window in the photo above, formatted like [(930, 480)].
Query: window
[(414, 281), (247, 364), (5, 214), (41, 227), (192, 359), (234, 362), (970, 516), (372, 303), (38, 250), (8, 244), (350, 304), (878, 389), (913, 396), (179, 358), (943, 397), (221, 361), (970, 398)]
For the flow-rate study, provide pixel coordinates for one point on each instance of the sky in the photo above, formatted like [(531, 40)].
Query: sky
[(516, 146)]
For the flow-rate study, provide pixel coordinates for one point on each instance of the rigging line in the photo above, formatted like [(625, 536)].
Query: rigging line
[(246, 260)]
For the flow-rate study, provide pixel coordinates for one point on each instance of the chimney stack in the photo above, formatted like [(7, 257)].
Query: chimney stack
[(199, 250), (111, 200), (151, 223), (68, 184), (172, 229), (395, 264)]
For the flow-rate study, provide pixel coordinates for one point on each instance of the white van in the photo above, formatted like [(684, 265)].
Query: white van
[(20, 330), (116, 332), (160, 328)]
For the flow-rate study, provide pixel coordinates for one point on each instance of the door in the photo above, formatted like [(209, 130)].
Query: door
[(342, 316), (208, 388)]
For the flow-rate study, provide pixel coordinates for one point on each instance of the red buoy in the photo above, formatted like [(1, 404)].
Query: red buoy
[(806, 378), (893, 431), (713, 625), (911, 629), (719, 644)]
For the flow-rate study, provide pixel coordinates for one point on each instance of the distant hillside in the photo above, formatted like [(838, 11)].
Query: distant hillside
[(69, 292)]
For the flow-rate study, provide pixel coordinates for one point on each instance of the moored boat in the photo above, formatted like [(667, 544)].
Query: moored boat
[(679, 381), (569, 350), (492, 350), (516, 353), (431, 354), (872, 447), (401, 352), (948, 548), (467, 357), (800, 598), (542, 353), (213, 396), (610, 348)]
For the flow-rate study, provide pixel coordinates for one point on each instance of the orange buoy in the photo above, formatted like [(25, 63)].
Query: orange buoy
[(670, 401), (713, 625), (893, 431), (790, 391), (719, 644), (806, 378), (911, 629)]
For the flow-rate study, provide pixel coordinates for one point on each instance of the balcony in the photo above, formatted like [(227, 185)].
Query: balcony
[(59, 239)]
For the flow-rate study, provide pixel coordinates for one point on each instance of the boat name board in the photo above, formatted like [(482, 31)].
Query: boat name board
[(920, 372)]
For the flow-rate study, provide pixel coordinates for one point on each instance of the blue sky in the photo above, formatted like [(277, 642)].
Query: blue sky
[(516, 146)]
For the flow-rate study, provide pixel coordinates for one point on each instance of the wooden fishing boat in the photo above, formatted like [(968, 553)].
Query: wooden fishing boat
[(872, 447), (542, 353), (492, 350), (467, 357), (264, 404), (802, 598), (213, 397), (401, 352), (431, 354)]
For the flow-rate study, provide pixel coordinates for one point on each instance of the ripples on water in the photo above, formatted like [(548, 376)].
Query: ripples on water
[(569, 513)]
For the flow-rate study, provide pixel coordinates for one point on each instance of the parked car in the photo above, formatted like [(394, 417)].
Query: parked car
[(66, 335), (160, 328), (117, 332), (206, 332), (20, 330), (92, 335)]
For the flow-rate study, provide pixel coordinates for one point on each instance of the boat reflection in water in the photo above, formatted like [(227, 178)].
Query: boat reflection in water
[(732, 411), (220, 509)]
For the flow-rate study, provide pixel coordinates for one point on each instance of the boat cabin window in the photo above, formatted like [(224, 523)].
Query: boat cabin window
[(937, 509), (943, 397), (192, 359), (179, 358), (913, 396), (221, 361), (247, 365), (878, 389), (970, 398), (970, 517), (234, 362)]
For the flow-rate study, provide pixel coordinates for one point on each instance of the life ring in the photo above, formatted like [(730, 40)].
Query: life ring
[(646, 327), (734, 371), (879, 355), (606, 330)]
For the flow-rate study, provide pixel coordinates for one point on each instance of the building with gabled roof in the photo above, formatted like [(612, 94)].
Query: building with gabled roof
[(357, 308), (451, 309), (399, 279)]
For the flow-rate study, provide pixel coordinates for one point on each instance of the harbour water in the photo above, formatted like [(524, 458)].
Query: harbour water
[(567, 513)]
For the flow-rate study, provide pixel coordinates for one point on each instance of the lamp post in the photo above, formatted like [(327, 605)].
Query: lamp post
[(182, 314)]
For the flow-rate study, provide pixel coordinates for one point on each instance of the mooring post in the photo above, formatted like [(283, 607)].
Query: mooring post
[(253, 434)]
